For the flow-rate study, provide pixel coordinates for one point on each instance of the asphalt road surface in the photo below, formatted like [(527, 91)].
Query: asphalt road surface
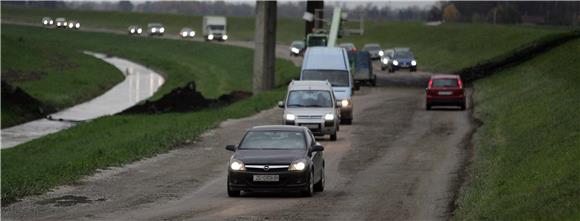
[(395, 162)]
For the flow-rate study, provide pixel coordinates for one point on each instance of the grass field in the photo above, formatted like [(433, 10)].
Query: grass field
[(55, 74), (61, 158), (444, 48), (527, 164)]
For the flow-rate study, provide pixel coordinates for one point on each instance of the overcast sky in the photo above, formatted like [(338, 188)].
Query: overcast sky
[(352, 4)]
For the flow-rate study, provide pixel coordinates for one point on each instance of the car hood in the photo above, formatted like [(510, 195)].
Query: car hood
[(269, 157), (212, 31), (342, 93), (404, 60), (308, 111)]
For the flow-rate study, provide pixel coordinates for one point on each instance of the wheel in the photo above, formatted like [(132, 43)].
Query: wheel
[(427, 107), (391, 70), (347, 121), (333, 136), (462, 106), (319, 186), (310, 189), (413, 69), (233, 193), (374, 82)]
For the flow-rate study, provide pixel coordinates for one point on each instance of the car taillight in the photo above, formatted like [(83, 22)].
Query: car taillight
[(460, 83), (430, 84)]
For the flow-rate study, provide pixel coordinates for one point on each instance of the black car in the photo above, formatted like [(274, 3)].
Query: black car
[(297, 48), (276, 158), (403, 59)]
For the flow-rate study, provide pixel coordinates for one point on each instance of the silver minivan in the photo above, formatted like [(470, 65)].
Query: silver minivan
[(331, 64), (312, 104)]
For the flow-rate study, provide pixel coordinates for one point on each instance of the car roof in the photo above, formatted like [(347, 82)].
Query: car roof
[(277, 128), (402, 49), (443, 76), (310, 85), (372, 45), (324, 58)]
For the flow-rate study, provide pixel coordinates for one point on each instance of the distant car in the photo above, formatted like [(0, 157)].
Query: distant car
[(374, 49), (276, 158), (445, 90), (312, 104), (61, 23), (134, 30), (387, 58), (155, 29), (187, 33), (403, 59), (297, 48), (363, 69), (74, 24), (47, 21)]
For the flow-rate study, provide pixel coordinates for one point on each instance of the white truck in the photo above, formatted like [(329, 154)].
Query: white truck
[(214, 28)]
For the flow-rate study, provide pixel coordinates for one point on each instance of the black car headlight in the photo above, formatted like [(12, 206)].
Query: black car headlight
[(298, 165), (237, 165)]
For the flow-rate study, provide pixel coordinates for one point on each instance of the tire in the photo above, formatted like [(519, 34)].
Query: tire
[(310, 189), (427, 107), (333, 136), (462, 106), (347, 121), (319, 186), (391, 70), (374, 82), (232, 193), (414, 70)]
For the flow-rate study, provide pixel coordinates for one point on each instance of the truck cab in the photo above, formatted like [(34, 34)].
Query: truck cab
[(214, 28)]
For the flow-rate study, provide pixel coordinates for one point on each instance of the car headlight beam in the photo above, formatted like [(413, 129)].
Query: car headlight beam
[(414, 63), (192, 33), (225, 37), (298, 165), (295, 50), (78, 25), (139, 30), (385, 60), (329, 117), (51, 22), (162, 29), (395, 62), (184, 34), (237, 165), (290, 117), (210, 37), (344, 103), (381, 53), (154, 30), (132, 30)]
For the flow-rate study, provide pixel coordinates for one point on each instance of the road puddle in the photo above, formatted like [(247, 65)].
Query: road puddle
[(140, 83)]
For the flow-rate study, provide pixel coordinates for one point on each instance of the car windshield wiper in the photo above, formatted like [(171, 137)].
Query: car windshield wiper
[(315, 105)]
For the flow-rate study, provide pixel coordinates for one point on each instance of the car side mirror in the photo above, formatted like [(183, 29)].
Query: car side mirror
[(231, 148), (281, 104), (317, 148), (338, 104)]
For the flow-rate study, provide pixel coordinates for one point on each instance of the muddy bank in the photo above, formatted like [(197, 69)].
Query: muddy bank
[(18, 101), (184, 99), (517, 56)]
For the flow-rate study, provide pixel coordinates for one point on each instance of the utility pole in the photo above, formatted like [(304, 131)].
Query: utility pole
[(265, 49)]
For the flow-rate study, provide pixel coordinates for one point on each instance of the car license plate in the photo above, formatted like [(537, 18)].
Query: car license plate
[(266, 178), (311, 126), (445, 92)]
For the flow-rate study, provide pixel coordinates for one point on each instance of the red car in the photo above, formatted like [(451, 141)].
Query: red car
[(445, 90)]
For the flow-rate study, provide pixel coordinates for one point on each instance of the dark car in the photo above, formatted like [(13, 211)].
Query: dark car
[(363, 69), (445, 90), (297, 48), (350, 50), (387, 58), (374, 49), (403, 59), (276, 158)]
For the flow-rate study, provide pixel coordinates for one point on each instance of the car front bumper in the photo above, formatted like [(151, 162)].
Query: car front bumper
[(288, 181), (317, 126)]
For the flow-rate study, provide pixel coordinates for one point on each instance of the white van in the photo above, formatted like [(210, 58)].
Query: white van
[(331, 64)]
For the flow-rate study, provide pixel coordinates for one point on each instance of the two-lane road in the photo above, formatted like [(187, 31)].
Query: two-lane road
[(395, 162)]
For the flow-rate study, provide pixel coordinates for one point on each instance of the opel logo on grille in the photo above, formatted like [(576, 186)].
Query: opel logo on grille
[(266, 168)]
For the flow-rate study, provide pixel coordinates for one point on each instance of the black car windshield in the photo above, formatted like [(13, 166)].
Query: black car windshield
[(298, 44), (404, 54), (274, 140), (317, 41), (445, 83), (372, 48), (216, 27), (309, 98), (337, 78)]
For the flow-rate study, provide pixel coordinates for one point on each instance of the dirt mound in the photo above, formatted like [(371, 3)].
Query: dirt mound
[(16, 100), (183, 99)]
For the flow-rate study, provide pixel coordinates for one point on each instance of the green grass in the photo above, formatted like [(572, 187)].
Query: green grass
[(57, 159), (57, 75), (527, 164), (444, 48)]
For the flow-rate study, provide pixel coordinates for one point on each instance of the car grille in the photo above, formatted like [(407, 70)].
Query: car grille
[(271, 168), (309, 116)]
